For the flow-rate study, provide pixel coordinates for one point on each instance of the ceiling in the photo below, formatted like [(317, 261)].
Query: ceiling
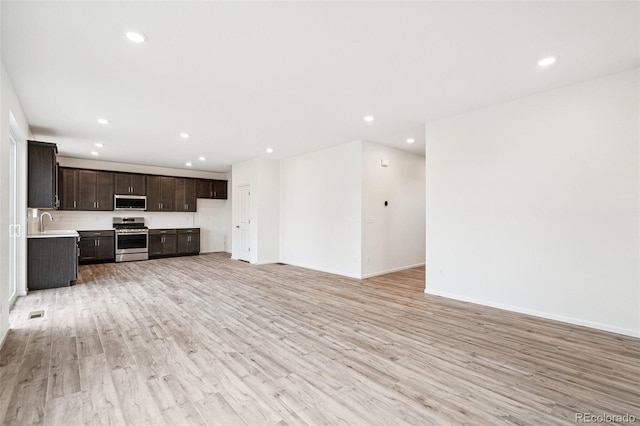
[(241, 77)]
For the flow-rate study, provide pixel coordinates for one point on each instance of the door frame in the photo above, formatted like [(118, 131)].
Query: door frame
[(243, 255)]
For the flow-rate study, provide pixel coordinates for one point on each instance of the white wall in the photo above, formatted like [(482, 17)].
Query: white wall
[(533, 205), (263, 177), (9, 106), (213, 217), (267, 195), (320, 210), (393, 236)]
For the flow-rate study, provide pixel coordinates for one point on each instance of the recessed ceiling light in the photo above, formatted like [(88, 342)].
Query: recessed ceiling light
[(136, 37), (368, 118), (98, 145), (188, 164), (411, 140), (103, 121), (545, 62), (184, 135), (94, 152), (269, 150), (201, 158)]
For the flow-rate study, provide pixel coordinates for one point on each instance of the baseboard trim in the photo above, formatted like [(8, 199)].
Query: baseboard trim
[(328, 271), (536, 313), (4, 337), (389, 271)]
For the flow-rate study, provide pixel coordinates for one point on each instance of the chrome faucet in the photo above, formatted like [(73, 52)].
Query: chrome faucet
[(42, 222)]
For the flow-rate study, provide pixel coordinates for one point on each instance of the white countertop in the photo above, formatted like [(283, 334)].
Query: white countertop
[(54, 233)]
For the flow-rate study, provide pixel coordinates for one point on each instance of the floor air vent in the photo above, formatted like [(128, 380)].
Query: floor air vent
[(36, 314)]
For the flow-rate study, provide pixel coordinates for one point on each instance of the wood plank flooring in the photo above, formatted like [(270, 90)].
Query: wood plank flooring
[(206, 340)]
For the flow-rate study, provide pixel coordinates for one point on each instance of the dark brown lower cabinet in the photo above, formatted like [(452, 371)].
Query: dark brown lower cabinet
[(97, 246), (173, 242), (189, 241), (162, 243), (51, 262)]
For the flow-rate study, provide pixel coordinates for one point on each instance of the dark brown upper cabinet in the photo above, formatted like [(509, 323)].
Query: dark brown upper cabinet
[(214, 189), (42, 175), (220, 189), (130, 184), (161, 193), (89, 190), (185, 195), (68, 185), (95, 190)]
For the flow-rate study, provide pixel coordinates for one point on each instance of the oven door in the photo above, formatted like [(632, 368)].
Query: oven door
[(132, 242)]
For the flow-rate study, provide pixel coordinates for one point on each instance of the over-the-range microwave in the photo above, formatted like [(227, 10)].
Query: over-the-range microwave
[(129, 202)]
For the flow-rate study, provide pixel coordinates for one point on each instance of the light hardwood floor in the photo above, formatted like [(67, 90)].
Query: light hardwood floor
[(206, 340)]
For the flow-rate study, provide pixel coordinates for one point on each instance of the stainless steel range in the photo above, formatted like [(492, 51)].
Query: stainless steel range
[(132, 239)]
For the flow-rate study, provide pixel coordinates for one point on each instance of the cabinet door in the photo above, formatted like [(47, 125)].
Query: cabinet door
[(170, 245), (195, 243), (88, 246), (104, 191), (87, 190), (41, 183), (68, 182), (220, 189), (168, 190), (184, 245), (185, 195), (204, 188), (122, 183), (106, 248), (154, 194), (155, 245), (138, 185)]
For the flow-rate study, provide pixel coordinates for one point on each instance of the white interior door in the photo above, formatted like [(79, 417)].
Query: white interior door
[(14, 227), (244, 223)]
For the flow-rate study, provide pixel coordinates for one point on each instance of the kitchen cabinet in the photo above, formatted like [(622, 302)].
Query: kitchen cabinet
[(220, 189), (188, 241), (68, 185), (97, 246), (51, 262), (88, 190), (185, 195), (130, 184), (42, 175), (95, 190), (161, 193), (162, 242), (213, 189)]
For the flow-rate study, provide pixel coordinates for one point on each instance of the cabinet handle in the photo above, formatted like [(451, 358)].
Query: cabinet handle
[(74, 204), (211, 192), (98, 243), (97, 204), (131, 189), (214, 193)]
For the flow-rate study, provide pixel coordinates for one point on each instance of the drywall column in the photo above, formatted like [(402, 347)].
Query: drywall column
[(533, 205), (321, 195)]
